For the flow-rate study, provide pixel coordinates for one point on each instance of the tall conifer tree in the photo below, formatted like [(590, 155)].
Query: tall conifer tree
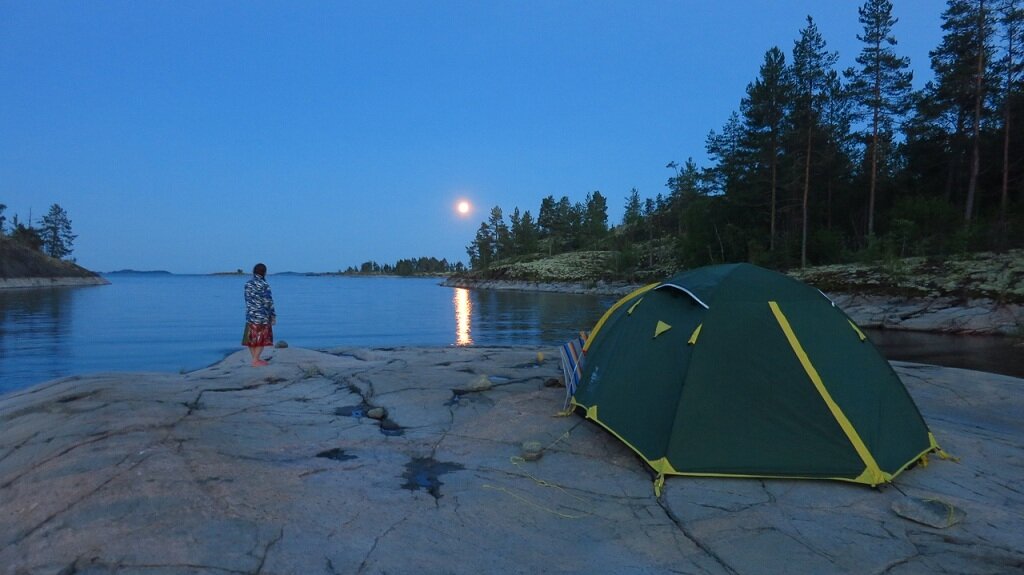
[(881, 86), (812, 63), (960, 65), (764, 111), (1011, 18)]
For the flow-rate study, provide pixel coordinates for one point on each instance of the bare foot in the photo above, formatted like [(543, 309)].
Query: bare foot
[(259, 363)]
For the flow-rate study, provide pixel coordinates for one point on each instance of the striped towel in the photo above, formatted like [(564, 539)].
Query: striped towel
[(572, 364)]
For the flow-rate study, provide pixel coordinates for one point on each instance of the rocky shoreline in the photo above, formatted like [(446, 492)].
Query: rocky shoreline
[(49, 282), (951, 315), (286, 469)]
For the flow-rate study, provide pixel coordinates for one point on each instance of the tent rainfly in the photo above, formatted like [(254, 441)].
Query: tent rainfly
[(738, 371)]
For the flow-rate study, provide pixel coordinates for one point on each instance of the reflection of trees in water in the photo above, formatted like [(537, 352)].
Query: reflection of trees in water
[(533, 318), (37, 320)]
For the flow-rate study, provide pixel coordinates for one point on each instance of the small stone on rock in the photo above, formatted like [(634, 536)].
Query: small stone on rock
[(281, 344), (377, 413), (481, 383)]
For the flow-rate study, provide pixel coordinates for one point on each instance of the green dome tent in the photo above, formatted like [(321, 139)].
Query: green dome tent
[(737, 371)]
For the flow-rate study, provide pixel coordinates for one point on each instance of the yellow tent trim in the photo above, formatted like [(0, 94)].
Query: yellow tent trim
[(693, 337), (662, 466), (860, 334), (661, 328), (611, 310), (633, 307), (872, 475)]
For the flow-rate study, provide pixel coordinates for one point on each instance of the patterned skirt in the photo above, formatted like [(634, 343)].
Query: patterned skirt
[(258, 335)]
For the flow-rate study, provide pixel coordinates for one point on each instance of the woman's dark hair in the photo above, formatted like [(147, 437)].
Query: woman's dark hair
[(260, 270)]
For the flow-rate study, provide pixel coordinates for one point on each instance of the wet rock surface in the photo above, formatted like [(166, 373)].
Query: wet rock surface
[(235, 469)]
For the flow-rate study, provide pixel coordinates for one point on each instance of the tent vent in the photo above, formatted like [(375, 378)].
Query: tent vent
[(633, 307), (661, 328), (693, 337), (686, 291)]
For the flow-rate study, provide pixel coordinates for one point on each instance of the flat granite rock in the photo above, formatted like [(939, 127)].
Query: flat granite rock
[(235, 469)]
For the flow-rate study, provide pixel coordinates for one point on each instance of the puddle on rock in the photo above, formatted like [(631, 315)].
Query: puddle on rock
[(337, 454), (425, 472)]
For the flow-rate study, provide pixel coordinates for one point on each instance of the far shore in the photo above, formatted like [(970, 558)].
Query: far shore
[(951, 315)]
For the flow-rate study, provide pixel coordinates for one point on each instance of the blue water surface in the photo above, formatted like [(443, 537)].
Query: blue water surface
[(173, 323)]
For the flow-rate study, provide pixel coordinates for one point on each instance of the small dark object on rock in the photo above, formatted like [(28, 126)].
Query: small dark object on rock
[(932, 512), (281, 344), (553, 382)]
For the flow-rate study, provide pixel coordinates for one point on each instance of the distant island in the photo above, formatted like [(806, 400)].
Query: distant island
[(138, 272)]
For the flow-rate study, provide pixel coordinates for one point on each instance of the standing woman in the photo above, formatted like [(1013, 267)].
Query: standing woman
[(259, 314)]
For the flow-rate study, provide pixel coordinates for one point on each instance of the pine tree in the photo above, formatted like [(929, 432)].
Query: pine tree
[(515, 228), (764, 113), (960, 64), (1011, 19), (595, 220), (811, 66), (632, 214), (56, 233), (881, 87), (837, 146), (481, 250), (727, 152), (500, 238), (527, 235)]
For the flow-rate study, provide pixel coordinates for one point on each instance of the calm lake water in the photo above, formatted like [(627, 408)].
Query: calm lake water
[(172, 323), (162, 322)]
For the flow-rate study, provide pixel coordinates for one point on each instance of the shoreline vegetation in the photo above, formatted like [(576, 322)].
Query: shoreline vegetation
[(981, 294), (24, 267)]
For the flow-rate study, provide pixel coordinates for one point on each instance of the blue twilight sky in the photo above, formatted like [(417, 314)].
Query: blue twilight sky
[(202, 136)]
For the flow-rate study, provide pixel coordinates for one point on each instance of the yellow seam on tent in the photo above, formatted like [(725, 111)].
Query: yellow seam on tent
[(872, 475), (611, 310), (666, 468), (860, 334), (693, 337), (633, 307), (661, 328)]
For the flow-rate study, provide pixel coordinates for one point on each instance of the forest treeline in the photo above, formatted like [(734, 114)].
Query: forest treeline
[(819, 165), (51, 235), (407, 267)]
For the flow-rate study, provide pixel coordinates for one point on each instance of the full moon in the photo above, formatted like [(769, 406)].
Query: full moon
[(463, 207)]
